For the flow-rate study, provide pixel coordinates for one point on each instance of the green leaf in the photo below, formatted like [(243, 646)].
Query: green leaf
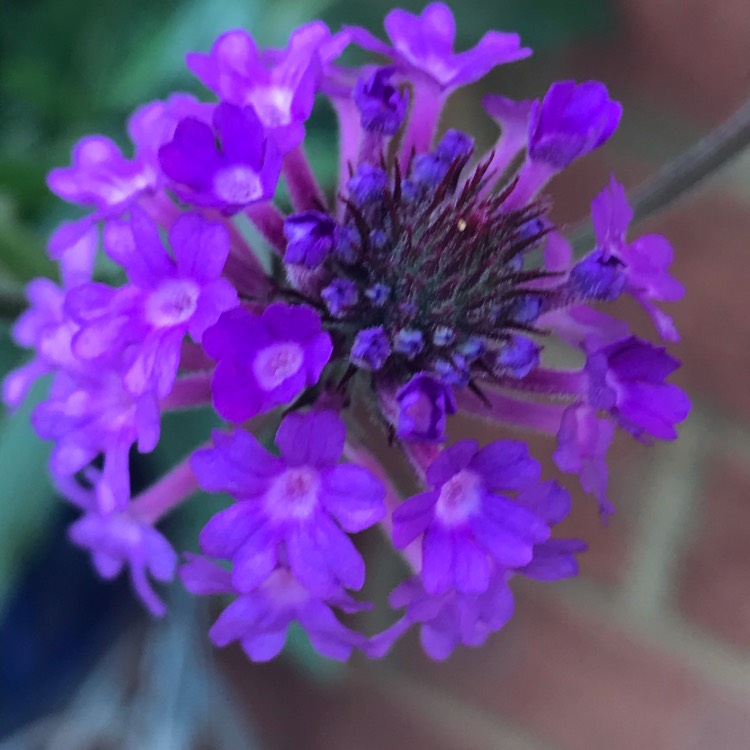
[(22, 255), (27, 499)]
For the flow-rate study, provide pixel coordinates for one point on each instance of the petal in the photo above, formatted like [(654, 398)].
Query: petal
[(201, 576), (256, 558), (200, 247), (161, 559), (228, 530), (238, 464), (438, 644), (471, 567), (353, 496), (508, 549), (548, 500), (505, 464), (342, 557), (413, 517), (264, 646), (514, 517), (296, 322), (104, 336), (241, 133), (190, 158), (437, 560), (215, 298), (451, 461), (329, 637), (308, 561), (316, 438), (234, 397), (238, 619)]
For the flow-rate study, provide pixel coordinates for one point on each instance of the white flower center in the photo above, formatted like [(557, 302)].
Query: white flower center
[(284, 590), (293, 495), (238, 185), (274, 364), (273, 105), (459, 498), (172, 303)]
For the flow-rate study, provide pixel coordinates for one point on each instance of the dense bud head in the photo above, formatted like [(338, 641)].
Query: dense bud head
[(439, 283)]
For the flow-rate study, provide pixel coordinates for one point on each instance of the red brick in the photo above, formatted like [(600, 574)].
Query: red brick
[(715, 585), (710, 235), (575, 681), (687, 52), (722, 722), (290, 711)]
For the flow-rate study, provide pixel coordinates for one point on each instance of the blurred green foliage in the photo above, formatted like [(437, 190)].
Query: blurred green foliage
[(80, 66)]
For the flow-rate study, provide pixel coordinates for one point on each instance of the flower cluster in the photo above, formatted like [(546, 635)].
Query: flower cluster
[(429, 284)]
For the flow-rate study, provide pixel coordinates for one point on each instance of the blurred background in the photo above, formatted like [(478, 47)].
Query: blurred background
[(648, 649)]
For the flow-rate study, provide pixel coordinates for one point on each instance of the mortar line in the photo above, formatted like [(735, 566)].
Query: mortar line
[(672, 491)]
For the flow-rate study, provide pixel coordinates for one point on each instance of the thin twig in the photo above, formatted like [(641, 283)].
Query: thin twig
[(684, 173)]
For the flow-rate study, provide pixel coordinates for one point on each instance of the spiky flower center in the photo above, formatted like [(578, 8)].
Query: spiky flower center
[(435, 263)]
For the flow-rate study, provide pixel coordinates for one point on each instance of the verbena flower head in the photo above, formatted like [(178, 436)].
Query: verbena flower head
[(428, 283)]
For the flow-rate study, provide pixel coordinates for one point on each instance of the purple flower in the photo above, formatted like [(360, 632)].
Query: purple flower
[(282, 93), (378, 294), (367, 184), (153, 125), (382, 106), (513, 116), (517, 357), (456, 617), (100, 176), (424, 402), (582, 444), (301, 500), (340, 295), (371, 348), (554, 558), (429, 170), (423, 46), (311, 236), (167, 298), (448, 619), (643, 264), (585, 327), (599, 276), (265, 360), (409, 342), (259, 619), (465, 521), (119, 539), (627, 379), (74, 244), (572, 120), (91, 413), (42, 327), (243, 168)]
